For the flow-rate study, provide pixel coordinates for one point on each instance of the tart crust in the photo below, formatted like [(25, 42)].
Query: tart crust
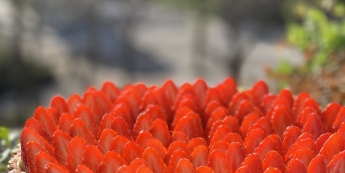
[(15, 164)]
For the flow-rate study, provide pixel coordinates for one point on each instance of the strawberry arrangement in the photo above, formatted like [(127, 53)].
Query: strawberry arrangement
[(193, 128)]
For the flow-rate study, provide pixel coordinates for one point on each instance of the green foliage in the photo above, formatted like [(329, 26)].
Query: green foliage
[(320, 33)]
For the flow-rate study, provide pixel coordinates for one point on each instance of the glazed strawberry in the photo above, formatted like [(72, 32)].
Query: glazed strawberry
[(92, 157), (153, 160), (235, 155), (75, 155), (185, 166), (199, 156), (60, 141), (191, 128), (111, 162)]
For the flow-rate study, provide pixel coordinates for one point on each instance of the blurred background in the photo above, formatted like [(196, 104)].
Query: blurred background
[(50, 47)]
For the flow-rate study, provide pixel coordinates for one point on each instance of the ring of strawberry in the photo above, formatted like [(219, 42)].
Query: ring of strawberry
[(193, 128)]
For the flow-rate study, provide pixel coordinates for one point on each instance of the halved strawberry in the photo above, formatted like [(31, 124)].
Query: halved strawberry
[(177, 145), (160, 130), (242, 169), (75, 155), (124, 169), (196, 142), (199, 156), (83, 169), (339, 119), (218, 114), (55, 168), (253, 139), (46, 121), (35, 125), (110, 91), (65, 122), (221, 145), (144, 169), (267, 102), (226, 90), (42, 159), (233, 137), (185, 166), (273, 170), (244, 108), (155, 112), (314, 126), (218, 162), (337, 163), (203, 169), (278, 143), (111, 162), (273, 159), (235, 155), (79, 128), (104, 141), (179, 113), (321, 141), (305, 155), (32, 148), (60, 141), (235, 102), (59, 104), (260, 89), (253, 163), (127, 108), (85, 113), (220, 133), (136, 163), (91, 101), (153, 160), (317, 164), (212, 94), (143, 122), (281, 118), (247, 122), (157, 145), (298, 145), (105, 124), (295, 165), (289, 137), (190, 125), (303, 116), (200, 88), (92, 157), (329, 115), (73, 102), (174, 159), (131, 151), (143, 137), (298, 104), (120, 126), (332, 146), (209, 108), (264, 147), (179, 136), (170, 91), (118, 143)]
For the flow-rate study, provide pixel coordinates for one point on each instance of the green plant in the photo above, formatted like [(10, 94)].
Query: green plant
[(7, 143)]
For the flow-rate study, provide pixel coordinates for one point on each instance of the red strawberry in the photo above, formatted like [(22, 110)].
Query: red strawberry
[(75, 155), (253, 163), (248, 121), (131, 151), (339, 119), (264, 147), (244, 108), (218, 162), (212, 94), (332, 146), (92, 157), (273, 159), (155, 112), (73, 102), (199, 156), (42, 159), (235, 155), (142, 138), (204, 169), (160, 130), (185, 166), (267, 102), (281, 118), (104, 141), (79, 128), (177, 145), (200, 88), (32, 148), (317, 164), (179, 136), (119, 125), (235, 102), (220, 133), (221, 145), (122, 111), (260, 89), (305, 155), (140, 88), (105, 123), (196, 142), (295, 165), (312, 103), (110, 91), (54, 114), (54, 168), (157, 145), (170, 91), (29, 135), (35, 125), (144, 169), (190, 125), (219, 114), (321, 141), (278, 143), (65, 122), (143, 122), (253, 139), (329, 115), (85, 113), (46, 121), (242, 169), (118, 143), (136, 163), (337, 163), (233, 123), (304, 114), (266, 124), (59, 104), (91, 101), (60, 142), (272, 170), (298, 145), (210, 107), (233, 137), (133, 102), (289, 137), (111, 162), (83, 169), (298, 105), (226, 90), (174, 159), (124, 169), (153, 160), (313, 126)]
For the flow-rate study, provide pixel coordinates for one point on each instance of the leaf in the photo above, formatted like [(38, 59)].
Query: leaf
[(4, 133)]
